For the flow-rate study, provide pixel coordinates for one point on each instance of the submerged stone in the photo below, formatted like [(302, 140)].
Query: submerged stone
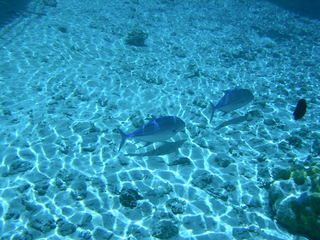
[(176, 206), (50, 3), (42, 222), (300, 215), (129, 198), (136, 38), (65, 228), (18, 166), (165, 230)]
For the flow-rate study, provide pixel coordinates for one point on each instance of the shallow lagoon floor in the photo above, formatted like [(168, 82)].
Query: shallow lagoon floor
[(73, 73)]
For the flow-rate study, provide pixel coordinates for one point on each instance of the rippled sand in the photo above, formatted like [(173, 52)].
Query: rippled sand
[(68, 80)]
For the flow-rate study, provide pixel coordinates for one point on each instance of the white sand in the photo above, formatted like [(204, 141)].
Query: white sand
[(63, 94)]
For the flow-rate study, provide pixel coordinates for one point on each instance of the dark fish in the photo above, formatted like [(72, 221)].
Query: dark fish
[(300, 110), (156, 130), (232, 100), (164, 149)]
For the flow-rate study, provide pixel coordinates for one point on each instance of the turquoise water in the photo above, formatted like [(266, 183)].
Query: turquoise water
[(73, 72)]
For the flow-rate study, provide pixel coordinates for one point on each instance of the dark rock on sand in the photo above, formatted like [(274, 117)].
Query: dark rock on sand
[(176, 205), (129, 198), (164, 230), (18, 166), (42, 222), (136, 38), (65, 228)]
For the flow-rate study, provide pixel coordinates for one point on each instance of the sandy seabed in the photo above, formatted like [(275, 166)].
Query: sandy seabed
[(69, 79)]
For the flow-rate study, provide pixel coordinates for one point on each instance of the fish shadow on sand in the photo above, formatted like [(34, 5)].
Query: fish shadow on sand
[(164, 149), (248, 117), (232, 121)]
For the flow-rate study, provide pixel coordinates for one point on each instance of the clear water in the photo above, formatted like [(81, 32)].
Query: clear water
[(72, 74)]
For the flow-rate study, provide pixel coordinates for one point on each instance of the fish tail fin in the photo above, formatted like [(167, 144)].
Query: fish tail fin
[(212, 112), (123, 138)]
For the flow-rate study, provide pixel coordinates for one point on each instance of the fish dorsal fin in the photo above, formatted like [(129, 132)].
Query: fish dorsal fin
[(151, 117), (228, 91)]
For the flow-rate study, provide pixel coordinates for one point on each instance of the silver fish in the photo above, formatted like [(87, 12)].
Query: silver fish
[(232, 100), (156, 130)]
